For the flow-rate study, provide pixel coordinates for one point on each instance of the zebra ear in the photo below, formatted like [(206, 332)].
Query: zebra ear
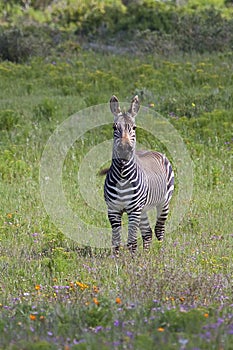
[(134, 108), (114, 106)]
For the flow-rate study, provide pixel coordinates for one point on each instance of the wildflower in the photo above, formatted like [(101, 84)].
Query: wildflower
[(98, 329), (160, 329), (42, 318), (81, 285), (32, 317), (182, 299), (206, 315), (118, 300), (9, 216), (116, 323), (193, 104), (37, 287), (95, 289), (95, 301), (151, 105)]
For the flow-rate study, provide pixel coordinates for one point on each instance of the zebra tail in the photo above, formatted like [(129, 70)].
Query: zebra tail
[(104, 171)]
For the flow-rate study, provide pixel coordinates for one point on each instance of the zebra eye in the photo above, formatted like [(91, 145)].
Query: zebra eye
[(115, 126), (134, 127)]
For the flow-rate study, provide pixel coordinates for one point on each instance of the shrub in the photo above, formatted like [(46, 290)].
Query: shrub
[(19, 44), (45, 110), (8, 119)]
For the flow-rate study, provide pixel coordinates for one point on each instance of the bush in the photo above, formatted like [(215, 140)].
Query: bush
[(19, 44), (13, 45), (46, 110), (8, 119)]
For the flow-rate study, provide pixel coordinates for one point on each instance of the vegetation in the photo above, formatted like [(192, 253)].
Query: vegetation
[(56, 294)]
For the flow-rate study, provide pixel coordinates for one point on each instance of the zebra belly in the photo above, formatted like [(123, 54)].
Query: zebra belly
[(126, 197), (156, 195)]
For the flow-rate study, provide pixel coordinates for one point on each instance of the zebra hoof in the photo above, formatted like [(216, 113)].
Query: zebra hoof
[(116, 252), (132, 247)]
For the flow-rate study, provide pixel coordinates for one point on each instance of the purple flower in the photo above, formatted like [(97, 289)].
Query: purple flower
[(35, 234), (98, 329), (78, 341), (61, 287), (116, 323), (129, 334)]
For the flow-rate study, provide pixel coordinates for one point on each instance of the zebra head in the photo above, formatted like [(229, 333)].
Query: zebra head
[(124, 129)]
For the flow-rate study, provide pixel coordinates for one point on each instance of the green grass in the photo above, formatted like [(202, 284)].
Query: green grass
[(179, 295)]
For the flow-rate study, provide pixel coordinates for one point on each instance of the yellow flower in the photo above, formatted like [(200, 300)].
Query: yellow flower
[(81, 285), (37, 287), (193, 104), (206, 315), (9, 216), (160, 329)]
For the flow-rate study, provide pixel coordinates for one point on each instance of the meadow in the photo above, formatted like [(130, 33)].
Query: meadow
[(57, 294)]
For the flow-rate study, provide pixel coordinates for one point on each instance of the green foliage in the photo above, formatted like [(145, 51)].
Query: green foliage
[(40, 345), (8, 119), (162, 27), (12, 167), (46, 110), (19, 43)]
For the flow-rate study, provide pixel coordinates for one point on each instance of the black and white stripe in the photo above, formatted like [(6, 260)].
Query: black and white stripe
[(135, 182)]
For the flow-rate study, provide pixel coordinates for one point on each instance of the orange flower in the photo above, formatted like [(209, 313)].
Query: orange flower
[(95, 289), (42, 318), (32, 317), (96, 301), (160, 329), (37, 287), (118, 300), (206, 315)]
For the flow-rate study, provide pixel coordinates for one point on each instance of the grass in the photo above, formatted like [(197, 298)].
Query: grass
[(55, 294)]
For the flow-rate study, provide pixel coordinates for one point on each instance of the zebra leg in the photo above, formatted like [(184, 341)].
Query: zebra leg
[(115, 221), (162, 213), (134, 220), (146, 231)]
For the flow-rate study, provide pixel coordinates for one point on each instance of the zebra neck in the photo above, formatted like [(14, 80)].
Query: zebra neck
[(124, 168)]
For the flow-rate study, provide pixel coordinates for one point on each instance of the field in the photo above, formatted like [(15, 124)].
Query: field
[(58, 294)]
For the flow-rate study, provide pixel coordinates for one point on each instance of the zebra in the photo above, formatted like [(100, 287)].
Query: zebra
[(135, 182)]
